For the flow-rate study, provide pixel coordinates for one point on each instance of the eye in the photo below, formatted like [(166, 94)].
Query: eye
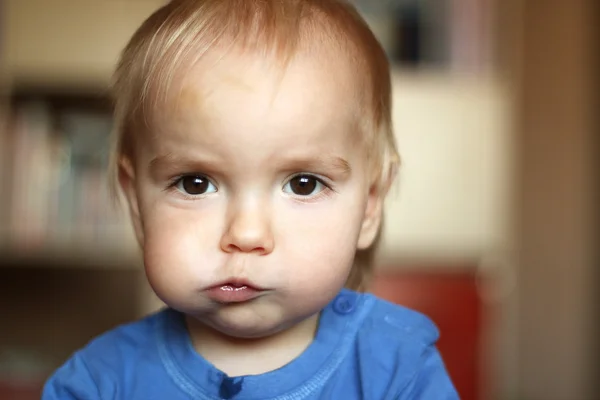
[(195, 185), (304, 185)]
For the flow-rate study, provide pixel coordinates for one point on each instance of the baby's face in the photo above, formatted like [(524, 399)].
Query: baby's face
[(252, 193)]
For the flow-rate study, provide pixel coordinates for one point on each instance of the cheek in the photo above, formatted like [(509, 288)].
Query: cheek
[(321, 242), (176, 255)]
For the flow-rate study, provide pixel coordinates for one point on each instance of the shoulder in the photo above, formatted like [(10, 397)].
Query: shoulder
[(116, 346), (388, 333), (398, 345), (104, 361), (397, 324)]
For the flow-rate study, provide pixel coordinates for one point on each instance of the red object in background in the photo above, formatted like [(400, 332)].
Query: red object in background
[(451, 300), (13, 391)]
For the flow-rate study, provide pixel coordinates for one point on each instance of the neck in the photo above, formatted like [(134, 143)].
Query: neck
[(238, 356)]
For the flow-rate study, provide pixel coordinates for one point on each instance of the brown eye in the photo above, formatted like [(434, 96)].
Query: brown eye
[(303, 185), (195, 185)]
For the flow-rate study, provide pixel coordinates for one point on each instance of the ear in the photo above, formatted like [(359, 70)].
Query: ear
[(127, 181), (372, 218), (371, 223)]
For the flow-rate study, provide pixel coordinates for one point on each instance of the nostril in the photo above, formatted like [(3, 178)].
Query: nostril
[(233, 248)]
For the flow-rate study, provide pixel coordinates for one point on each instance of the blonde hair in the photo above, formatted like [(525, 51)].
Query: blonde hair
[(181, 32)]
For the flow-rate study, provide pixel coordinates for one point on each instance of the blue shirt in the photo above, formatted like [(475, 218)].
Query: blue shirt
[(365, 348)]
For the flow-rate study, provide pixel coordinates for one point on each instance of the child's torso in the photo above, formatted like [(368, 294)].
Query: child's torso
[(364, 349)]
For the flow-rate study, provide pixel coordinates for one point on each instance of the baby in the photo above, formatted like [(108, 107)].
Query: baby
[(254, 147)]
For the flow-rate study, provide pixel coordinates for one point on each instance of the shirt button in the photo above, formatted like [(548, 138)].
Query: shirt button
[(343, 304), (216, 377)]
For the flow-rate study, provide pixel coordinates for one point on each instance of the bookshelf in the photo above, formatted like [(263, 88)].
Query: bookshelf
[(57, 205), (69, 263)]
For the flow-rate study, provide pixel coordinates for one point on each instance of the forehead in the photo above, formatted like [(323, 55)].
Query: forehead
[(234, 91)]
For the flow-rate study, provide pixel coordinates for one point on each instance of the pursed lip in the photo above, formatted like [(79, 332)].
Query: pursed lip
[(237, 283), (234, 291)]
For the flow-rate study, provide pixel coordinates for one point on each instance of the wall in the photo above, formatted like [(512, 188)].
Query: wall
[(452, 198), (69, 41), (557, 306)]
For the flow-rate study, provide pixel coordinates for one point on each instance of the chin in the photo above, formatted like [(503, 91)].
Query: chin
[(251, 323), (246, 329)]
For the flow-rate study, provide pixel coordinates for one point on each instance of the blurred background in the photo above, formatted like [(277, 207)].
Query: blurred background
[(491, 229)]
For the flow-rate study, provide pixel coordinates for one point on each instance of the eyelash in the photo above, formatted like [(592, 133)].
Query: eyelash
[(172, 186), (326, 192)]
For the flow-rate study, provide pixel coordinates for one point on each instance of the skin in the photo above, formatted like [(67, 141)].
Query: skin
[(249, 131)]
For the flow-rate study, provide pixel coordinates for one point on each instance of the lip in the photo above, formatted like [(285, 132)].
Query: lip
[(234, 291)]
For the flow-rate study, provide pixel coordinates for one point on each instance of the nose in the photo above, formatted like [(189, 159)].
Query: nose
[(248, 230)]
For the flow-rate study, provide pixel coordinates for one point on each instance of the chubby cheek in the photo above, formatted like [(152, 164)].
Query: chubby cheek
[(176, 251), (319, 246)]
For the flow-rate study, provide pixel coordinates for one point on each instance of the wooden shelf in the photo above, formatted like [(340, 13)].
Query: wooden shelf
[(70, 258)]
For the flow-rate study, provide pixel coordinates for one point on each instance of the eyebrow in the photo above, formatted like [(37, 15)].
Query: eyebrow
[(171, 161), (327, 162), (323, 162)]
